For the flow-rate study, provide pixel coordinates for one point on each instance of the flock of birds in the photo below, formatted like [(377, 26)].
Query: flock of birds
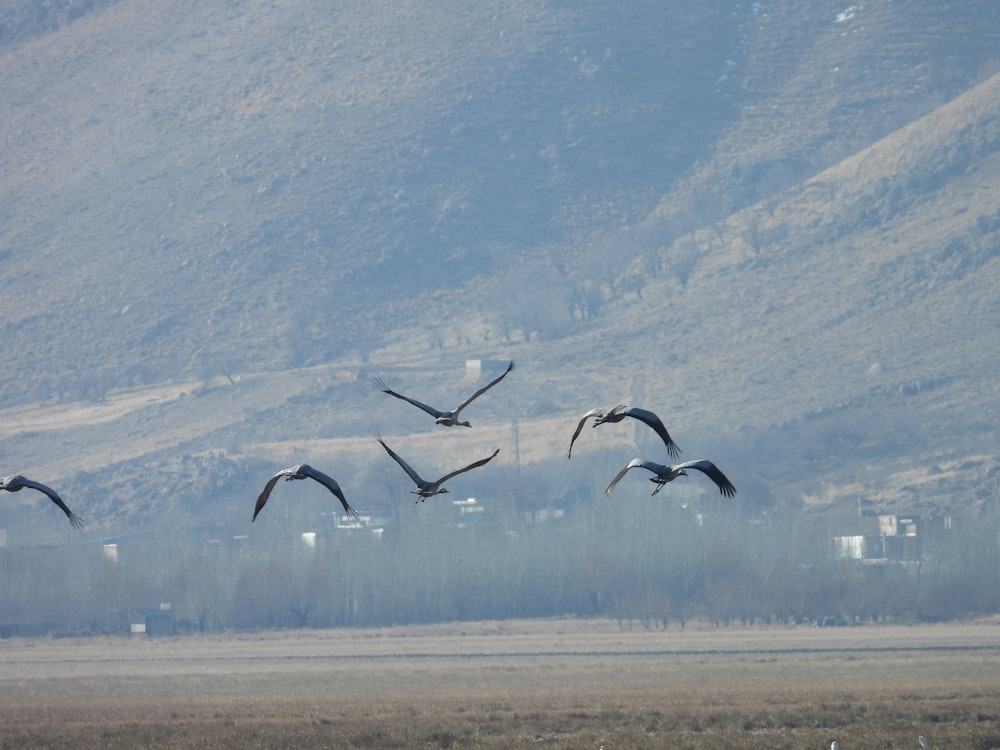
[(662, 473)]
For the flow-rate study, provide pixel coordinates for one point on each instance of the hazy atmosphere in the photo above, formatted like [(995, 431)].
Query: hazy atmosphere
[(747, 250), (774, 225)]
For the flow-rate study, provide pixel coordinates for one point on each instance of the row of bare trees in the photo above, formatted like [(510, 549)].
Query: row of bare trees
[(650, 562)]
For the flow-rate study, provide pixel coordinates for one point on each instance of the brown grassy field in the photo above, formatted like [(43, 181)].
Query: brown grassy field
[(553, 683)]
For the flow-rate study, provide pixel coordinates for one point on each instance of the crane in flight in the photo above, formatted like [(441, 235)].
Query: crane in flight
[(617, 414), (665, 474), (427, 489), (16, 483), (444, 418), (302, 471)]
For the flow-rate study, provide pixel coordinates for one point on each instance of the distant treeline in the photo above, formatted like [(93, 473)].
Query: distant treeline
[(644, 562)]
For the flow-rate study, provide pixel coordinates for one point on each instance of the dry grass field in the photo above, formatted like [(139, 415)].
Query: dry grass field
[(553, 683)]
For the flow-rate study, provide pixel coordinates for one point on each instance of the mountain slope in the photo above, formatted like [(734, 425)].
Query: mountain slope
[(776, 225)]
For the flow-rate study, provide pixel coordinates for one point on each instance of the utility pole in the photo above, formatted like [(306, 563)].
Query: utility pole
[(517, 445)]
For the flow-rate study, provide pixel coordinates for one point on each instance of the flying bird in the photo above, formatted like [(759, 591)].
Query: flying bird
[(617, 414), (15, 483), (427, 489), (302, 471), (922, 740), (665, 474), (444, 418)]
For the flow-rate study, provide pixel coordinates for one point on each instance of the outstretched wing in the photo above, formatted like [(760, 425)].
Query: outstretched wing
[(633, 464), (482, 390), (710, 470), (379, 384), (406, 467), (579, 427), (331, 484), (654, 421), (262, 498), (73, 518), (471, 466)]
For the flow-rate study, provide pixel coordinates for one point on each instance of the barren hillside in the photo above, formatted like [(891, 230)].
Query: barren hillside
[(775, 224)]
